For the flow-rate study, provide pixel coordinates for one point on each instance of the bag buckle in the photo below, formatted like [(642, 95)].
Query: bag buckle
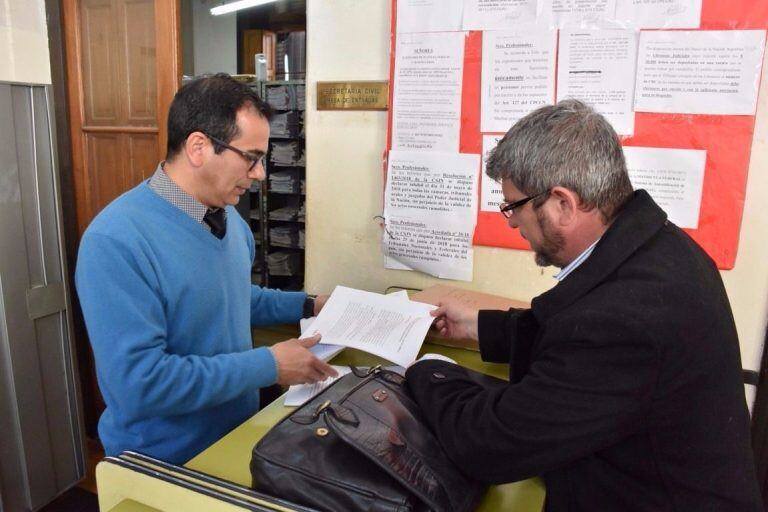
[(374, 369), (323, 406)]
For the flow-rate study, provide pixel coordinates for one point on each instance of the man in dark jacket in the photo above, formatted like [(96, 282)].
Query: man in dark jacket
[(625, 388)]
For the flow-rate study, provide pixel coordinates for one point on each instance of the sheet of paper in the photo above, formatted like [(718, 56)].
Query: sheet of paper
[(673, 177), (389, 327), (659, 13), (699, 72), (430, 207), (518, 76), (498, 14), (583, 13), (322, 351), (325, 351), (427, 96), (429, 15), (598, 67), (300, 393), (491, 194)]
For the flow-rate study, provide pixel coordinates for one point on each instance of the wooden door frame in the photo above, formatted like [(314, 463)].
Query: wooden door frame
[(168, 57)]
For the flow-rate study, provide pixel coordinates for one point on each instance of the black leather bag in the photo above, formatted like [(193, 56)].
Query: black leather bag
[(361, 444)]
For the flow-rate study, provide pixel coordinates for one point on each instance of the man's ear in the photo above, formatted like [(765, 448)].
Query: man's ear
[(566, 204), (197, 148)]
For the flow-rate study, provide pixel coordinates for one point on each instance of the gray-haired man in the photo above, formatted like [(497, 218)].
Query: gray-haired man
[(625, 385)]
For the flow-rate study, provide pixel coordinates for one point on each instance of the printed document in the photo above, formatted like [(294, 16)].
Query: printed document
[(388, 327), (699, 72), (427, 96), (598, 67), (659, 13), (430, 207), (490, 191), (498, 14), (581, 13), (673, 177), (518, 76), (429, 15)]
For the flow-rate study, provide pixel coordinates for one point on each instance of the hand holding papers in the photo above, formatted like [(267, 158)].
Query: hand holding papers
[(300, 393), (386, 326)]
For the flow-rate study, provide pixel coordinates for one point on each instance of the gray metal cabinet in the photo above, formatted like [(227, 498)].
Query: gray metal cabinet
[(41, 440)]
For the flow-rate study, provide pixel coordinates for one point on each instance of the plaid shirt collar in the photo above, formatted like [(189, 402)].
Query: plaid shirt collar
[(166, 188)]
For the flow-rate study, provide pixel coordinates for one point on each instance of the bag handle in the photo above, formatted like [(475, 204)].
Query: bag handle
[(391, 453)]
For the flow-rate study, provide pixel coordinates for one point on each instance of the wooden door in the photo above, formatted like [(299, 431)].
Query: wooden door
[(124, 66), (252, 44)]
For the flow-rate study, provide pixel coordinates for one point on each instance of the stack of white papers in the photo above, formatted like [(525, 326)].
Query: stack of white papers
[(383, 325)]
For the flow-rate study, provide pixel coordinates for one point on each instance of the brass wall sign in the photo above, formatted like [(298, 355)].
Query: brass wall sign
[(363, 95)]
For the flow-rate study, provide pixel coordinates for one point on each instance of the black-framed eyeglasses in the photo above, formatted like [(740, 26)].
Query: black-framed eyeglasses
[(508, 209), (254, 159)]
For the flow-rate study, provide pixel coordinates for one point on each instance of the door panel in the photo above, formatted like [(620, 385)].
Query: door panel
[(142, 156), (138, 42), (100, 59), (105, 159)]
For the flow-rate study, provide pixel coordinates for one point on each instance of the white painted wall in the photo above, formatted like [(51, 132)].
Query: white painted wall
[(24, 54), (214, 40), (349, 40)]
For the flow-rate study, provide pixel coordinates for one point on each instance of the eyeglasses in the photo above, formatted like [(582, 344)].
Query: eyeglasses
[(254, 159), (508, 209)]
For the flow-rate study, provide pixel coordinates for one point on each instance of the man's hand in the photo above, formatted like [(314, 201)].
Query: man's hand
[(297, 365), (456, 320), (320, 301)]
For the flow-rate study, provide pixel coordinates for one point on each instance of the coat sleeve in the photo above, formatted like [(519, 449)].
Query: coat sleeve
[(585, 389), (124, 310)]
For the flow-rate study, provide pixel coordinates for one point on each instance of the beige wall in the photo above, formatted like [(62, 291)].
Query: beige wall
[(349, 40), (24, 42)]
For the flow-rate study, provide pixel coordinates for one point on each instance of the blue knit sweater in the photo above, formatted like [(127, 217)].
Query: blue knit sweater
[(168, 309)]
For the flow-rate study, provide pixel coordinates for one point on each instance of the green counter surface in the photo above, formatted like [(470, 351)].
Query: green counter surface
[(230, 457)]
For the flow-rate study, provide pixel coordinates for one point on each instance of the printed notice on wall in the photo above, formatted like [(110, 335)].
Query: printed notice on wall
[(699, 72), (659, 13), (498, 14), (598, 68), (490, 191), (427, 96), (430, 207), (586, 13), (429, 15), (518, 76), (673, 177)]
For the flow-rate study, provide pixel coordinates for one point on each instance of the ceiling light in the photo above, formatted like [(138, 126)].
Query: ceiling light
[(236, 6)]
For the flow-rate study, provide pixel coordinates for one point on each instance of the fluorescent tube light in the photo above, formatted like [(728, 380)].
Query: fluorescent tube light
[(236, 6)]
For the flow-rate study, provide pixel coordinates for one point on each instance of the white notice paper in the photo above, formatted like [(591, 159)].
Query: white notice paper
[(498, 14), (659, 13), (491, 194), (563, 13), (518, 76), (430, 207), (388, 327), (699, 72), (429, 15), (427, 95), (673, 177), (598, 67)]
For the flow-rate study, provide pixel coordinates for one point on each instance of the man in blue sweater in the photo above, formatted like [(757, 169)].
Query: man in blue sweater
[(163, 276)]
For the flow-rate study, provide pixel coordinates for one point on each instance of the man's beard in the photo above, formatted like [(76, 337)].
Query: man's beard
[(551, 244)]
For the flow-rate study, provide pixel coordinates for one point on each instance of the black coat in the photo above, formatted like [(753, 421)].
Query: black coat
[(625, 386)]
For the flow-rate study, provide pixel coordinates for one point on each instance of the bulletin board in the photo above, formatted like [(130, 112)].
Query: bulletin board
[(727, 140)]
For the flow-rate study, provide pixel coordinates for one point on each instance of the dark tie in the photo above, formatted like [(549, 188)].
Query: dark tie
[(217, 220)]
